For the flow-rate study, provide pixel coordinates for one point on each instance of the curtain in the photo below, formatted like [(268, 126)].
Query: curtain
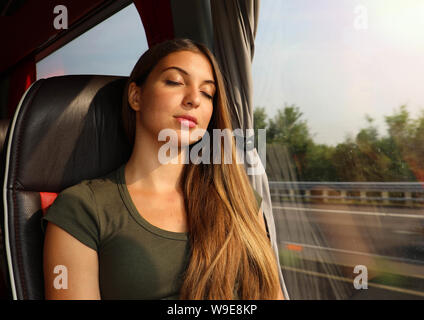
[(15, 83), (156, 17), (235, 24)]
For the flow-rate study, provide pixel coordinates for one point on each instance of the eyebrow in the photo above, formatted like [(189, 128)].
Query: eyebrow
[(186, 73)]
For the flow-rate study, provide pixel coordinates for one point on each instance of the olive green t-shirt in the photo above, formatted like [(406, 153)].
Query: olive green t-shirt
[(137, 260)]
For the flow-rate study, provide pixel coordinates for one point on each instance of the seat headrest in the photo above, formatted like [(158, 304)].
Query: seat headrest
[(66, 129), (4, 125)]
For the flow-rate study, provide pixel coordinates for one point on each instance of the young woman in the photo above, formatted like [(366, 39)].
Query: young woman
[(156, 229)]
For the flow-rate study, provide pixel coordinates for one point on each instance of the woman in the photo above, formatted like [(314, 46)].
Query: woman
[(156, 229)]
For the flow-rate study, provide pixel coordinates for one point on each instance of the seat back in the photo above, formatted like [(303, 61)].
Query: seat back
[(4, 289), (65, 129)]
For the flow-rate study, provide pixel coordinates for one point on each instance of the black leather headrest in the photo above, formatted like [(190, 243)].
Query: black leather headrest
[(4, 125), (65, 130), (4, 289)]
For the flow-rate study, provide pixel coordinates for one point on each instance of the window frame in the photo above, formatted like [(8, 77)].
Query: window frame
[(95, 17)]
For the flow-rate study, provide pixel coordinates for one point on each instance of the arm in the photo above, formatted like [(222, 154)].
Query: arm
[(280, 295), (81, 262)]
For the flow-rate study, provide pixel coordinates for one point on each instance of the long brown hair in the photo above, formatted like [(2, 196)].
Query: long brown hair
[(230, 252)]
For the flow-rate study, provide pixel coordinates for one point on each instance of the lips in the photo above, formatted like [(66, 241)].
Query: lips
[(187, 120)]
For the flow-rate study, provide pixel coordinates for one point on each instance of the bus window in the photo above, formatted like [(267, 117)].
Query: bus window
[(337, 85), (111, 48)]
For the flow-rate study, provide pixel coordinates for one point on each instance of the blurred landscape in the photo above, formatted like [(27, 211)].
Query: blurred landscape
[(367, 156), (360, 202)]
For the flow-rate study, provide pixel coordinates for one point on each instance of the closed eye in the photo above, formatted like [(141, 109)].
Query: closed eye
[(173, 83), (207, 95)]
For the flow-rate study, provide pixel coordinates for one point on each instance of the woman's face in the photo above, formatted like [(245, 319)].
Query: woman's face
[(180, 85)]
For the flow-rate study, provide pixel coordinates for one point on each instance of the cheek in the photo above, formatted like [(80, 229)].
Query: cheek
[(206, 112), (208, 115), (156, 104)]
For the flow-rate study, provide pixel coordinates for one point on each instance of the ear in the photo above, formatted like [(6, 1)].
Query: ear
[(134, 96)]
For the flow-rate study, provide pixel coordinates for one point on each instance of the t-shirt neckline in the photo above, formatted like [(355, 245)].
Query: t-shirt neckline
[(137, 216)]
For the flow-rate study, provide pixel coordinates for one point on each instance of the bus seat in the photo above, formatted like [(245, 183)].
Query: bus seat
[(65, 129), (4, 124), (4, 290)]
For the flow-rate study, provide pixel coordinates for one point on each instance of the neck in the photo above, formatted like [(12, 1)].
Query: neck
[(145, 171)]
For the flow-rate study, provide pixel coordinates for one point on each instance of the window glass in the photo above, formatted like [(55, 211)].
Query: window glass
[(337, 85), (110, 48)]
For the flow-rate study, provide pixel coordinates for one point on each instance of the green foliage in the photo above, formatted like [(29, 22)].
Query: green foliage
[(319, 165), (259, 122), (259, 118), (407, 135), (366, 157), (289, 130)]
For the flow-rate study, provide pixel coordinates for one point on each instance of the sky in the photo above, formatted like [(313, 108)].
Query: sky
[(337, 60), (340, 60), (112, 47)]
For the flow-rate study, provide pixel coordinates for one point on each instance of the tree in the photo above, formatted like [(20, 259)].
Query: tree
[(406, 143), (318, 164), (374, 163), (365, 157), (346, 161), (288, 130), (259, 122)]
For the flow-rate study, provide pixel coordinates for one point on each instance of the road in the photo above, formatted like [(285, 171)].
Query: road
[(320, 244)]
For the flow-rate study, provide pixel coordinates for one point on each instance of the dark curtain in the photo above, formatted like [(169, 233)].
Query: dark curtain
[(14, 84), (156, 17)]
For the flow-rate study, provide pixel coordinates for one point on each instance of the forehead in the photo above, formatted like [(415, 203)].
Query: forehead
[(195, 64)]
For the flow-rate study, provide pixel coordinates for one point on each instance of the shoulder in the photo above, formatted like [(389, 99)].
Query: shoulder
[(83, 197), (80, 192), (90, 188), (76, 210)]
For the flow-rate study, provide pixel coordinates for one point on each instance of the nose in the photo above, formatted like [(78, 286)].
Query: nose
[(192, 98)]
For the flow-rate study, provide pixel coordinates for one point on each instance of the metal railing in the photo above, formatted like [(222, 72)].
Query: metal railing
[(409, 193)]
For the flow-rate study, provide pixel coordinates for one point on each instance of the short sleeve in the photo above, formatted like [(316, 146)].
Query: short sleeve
[(74, 210)]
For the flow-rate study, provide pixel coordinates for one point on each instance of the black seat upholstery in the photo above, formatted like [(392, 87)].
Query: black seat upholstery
[(4, 289), (66, 129), (4, 125)]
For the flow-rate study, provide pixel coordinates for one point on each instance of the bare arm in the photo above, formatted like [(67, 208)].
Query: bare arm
[(80, 262), (262, 222)]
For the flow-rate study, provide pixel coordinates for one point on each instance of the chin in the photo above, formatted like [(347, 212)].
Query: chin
[(182, 136)]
